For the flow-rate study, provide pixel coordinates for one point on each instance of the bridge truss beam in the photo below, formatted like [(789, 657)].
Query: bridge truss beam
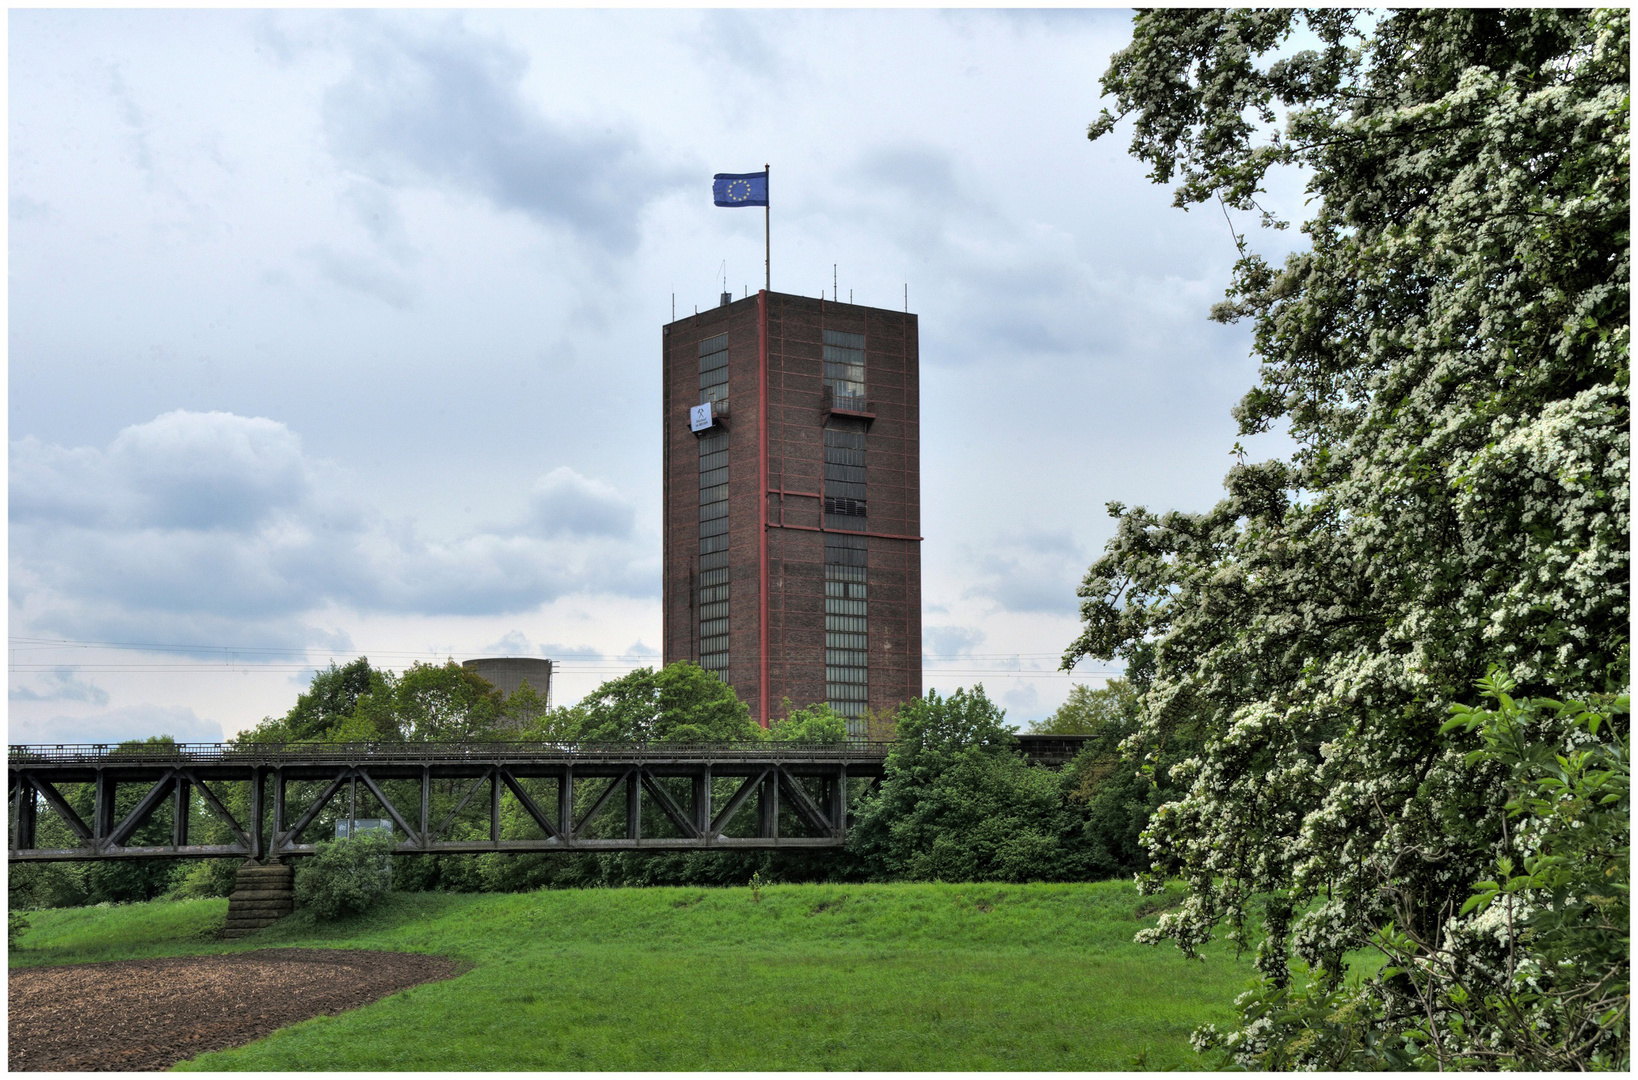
[(695, 799)]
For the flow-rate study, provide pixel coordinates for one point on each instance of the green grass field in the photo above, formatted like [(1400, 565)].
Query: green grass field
[(914, 976)]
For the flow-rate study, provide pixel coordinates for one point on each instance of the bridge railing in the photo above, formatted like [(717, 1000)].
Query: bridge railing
[(206, 753)]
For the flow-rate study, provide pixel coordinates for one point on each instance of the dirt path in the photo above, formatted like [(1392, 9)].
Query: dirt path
[(150, 1014)]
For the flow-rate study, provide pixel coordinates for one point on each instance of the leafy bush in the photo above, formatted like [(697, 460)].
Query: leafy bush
[(31, 886), (16, 923), (1532, 972), (960, 803), (205, 878), (346, 876)]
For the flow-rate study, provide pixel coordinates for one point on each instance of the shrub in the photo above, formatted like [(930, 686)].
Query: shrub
[(207, 877), (16, 923), (346, 876)]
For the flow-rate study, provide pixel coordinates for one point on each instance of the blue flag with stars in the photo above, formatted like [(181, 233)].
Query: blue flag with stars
[(740, 189)]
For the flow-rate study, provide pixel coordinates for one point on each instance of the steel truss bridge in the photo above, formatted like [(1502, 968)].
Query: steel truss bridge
[(674, 797)]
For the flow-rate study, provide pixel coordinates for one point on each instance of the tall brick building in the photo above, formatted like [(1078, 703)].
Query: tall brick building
[(793, 503)]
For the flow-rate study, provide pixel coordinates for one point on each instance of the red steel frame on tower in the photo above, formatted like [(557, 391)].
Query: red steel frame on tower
[(762, 489)]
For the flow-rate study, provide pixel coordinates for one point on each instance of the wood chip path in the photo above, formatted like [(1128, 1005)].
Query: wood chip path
[(149, 1014)]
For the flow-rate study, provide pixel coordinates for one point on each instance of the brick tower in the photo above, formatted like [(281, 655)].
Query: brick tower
[(793, 502)]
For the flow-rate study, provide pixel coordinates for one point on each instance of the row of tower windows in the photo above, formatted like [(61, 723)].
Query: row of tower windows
[(713, 580)]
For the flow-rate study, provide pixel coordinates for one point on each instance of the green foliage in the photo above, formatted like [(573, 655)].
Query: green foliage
[(1533, 971), (815, 725), (960, 803), (1112, 709), (1450, 353), (16, 923), (205, 878), (332, 697), (680, 703), (31, 886), (345, 876), (922, 977), (446, 702)]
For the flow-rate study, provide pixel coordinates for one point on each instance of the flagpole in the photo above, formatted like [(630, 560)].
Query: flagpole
[(767, 244)]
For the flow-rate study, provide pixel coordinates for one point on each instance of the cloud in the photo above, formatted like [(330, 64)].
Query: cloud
[(365, 275), (117, 725), (511, 643), (1031, 572), (738, 38), (206, 527), (566, 503), (61, 684), (438, 105), (185, 470), (944, 641), (1022, 698)]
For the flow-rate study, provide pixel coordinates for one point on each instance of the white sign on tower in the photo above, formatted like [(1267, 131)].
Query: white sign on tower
[(699, 417)]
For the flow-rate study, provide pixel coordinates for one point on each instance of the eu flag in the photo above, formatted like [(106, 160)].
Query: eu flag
[(740, 189)]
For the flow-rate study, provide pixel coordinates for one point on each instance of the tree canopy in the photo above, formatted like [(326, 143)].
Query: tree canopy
[(1450, 354)]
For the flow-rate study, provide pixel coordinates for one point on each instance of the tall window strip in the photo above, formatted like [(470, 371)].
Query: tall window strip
[(845, 476), (845, 369), (713, 579), (847, 669)]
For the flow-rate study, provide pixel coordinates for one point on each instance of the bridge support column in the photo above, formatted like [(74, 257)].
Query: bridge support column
[(768, 806), (179, 819), (702, 801), (494, 805), (565, 803), (278, 812), (258, 849), (426, 807), (28, 813), (102, 810), (634, 805), (262, 895)]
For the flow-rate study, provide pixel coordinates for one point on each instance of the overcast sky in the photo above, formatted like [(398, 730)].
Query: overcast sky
[(339, 334)]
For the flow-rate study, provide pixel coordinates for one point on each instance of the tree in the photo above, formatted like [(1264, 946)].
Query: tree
[(680, 703), (1110, 709), (816, 725), (331, 698), (1450, 353), (959, 802), (433, 702)]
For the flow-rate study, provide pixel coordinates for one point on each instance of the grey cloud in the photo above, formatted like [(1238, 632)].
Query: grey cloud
[(566, 503), (181, 470), (116, 725), (511, 643), (950, 640), (737, 37), (60, 684), (571, 652), (446, 106), (364, 275), (919, 172), (1033, 572), (24, 208), (213, 527), (377, 211)]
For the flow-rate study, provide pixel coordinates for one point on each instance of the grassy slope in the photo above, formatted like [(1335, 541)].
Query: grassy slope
[(931, 977)]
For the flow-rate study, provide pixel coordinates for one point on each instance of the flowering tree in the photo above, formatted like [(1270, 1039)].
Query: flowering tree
[(1451, 355)]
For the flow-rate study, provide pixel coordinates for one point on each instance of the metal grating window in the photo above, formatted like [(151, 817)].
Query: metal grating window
[(845, 369), (714, 368), (844, 479), (847, 666), (712, 600)]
